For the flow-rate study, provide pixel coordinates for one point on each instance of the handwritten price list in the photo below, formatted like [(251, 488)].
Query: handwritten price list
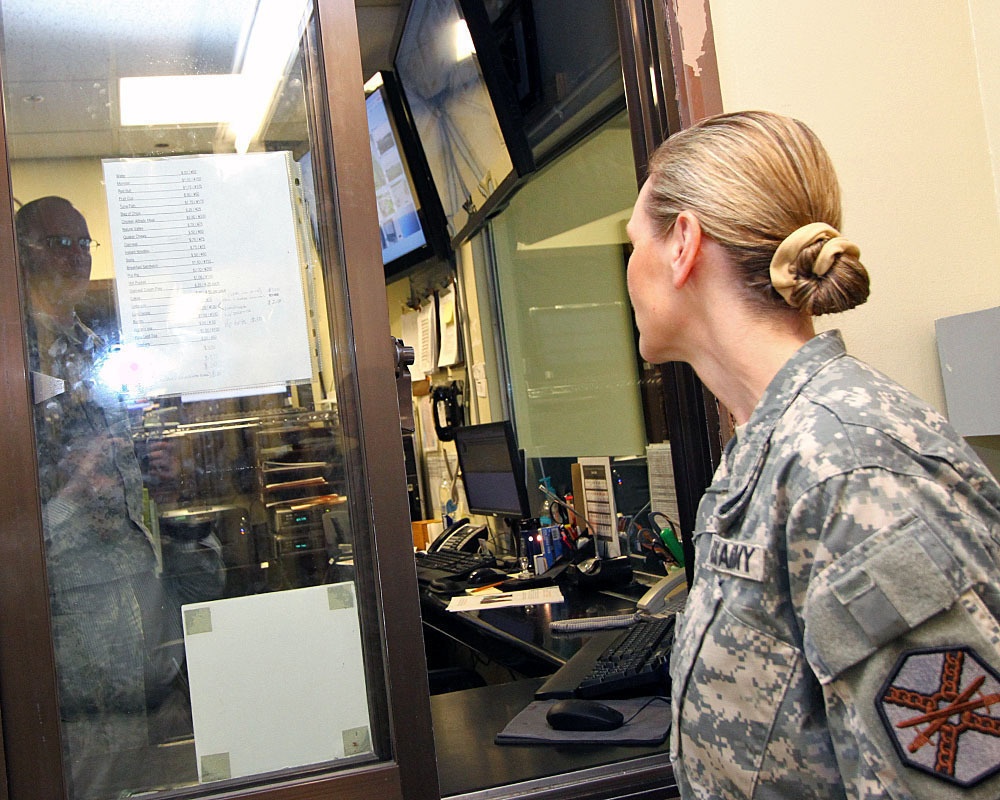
[(165, 252), (207, 269)]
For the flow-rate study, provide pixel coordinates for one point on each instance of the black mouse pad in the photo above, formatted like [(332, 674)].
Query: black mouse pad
[(647, 723)]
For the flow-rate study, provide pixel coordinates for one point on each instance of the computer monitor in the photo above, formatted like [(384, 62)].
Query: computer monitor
[(465, 109), (411, 222), (492, 470)]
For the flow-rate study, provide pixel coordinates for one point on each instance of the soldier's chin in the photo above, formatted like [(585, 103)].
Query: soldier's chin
[(77, 294)]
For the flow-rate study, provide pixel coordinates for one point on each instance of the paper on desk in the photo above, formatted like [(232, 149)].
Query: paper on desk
[(525, 597)]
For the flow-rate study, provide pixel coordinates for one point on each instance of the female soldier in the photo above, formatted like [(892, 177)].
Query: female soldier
[(840, 637)]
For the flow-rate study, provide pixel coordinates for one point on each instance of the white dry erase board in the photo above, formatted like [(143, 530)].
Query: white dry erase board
[(277, 681), (208, 273)]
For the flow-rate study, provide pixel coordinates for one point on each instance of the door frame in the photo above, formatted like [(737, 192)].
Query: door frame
[(28, 694), (664, 93)]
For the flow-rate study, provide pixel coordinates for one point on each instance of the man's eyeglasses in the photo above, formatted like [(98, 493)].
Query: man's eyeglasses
[(67, 242)]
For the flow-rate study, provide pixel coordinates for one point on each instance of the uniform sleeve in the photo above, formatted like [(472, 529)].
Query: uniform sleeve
[(889, 581)]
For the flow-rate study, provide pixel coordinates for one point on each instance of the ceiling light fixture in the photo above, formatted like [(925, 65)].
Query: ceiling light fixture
[(272, 44), (373, 83), (179, 99), (241, 100)]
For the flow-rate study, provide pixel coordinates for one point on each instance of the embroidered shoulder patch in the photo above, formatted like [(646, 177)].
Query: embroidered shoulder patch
[(941, 709), (743, 559)]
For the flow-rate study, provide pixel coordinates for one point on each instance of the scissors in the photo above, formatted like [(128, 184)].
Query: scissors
[(649, 541), (667, 533)]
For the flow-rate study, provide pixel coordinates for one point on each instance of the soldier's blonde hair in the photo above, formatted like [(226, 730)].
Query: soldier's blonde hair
[(752, 178)]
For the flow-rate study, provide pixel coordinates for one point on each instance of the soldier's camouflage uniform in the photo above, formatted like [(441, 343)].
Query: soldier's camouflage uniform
[(846, 591), (116, 632)]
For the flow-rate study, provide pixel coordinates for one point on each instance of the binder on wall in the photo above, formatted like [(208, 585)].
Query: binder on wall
[(208, 262)]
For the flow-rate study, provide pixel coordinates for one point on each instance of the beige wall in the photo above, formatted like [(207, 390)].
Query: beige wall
[(907, 99), (79, 180), (985, 16)]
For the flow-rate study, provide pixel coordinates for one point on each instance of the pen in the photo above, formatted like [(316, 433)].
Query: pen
[(495, 598), (485, 588)]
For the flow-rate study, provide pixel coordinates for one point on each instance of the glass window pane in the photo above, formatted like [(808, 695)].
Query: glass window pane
[(561, 263), (198, 474)]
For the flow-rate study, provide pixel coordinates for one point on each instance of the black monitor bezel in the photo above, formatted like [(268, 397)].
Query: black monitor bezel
[(429, 209), (505, 103), (514, 461)]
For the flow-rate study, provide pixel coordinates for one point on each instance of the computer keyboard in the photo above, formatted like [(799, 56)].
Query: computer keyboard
[(450, 564), (617, 663)]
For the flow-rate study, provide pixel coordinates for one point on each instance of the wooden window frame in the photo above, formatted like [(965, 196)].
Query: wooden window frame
[(32, 762)]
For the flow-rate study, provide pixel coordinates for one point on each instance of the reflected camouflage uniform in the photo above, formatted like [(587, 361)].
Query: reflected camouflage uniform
[(110, 614), (847, 531)]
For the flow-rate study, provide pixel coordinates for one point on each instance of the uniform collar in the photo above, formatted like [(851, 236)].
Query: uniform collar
[(748, 447), (75, 331), (74, 334)]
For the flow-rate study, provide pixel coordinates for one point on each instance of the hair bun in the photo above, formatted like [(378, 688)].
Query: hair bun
[(819, 291), (831, 249), (784, 274)]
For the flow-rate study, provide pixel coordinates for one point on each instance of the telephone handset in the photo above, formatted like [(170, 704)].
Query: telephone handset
[(462, 536), (449, 399), (665, 596), (662, 600)]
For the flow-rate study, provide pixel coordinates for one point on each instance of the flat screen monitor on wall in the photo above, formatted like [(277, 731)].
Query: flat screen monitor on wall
[(411, 223), (492, 470), (464, 108)]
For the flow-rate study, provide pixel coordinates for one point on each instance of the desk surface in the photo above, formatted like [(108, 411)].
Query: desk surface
[(466, 722), (522, 635)]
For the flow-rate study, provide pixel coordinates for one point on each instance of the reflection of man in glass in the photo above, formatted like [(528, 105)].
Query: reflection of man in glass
[(116, 632)]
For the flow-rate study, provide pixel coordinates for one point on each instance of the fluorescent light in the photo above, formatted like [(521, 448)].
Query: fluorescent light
[(179, 99), (464, 46), (272, 44), (241, 100), (373, 83)]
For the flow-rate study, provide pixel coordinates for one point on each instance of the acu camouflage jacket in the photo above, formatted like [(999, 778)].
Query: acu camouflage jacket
[(841, 635)]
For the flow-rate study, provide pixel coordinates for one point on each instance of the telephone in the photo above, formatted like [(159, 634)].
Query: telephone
[(462, 536), (664, 599), (449, 399), (666, 596), (602, 573)]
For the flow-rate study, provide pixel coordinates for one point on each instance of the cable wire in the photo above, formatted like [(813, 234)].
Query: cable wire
[(594, 623), (554, 498)]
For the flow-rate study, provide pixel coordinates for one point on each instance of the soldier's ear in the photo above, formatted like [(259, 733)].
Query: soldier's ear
[(685, 247)]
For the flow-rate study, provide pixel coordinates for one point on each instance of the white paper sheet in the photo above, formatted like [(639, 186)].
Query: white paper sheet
[(425, 412), (498, 599), (277, 681), (411, 338), (447, 328), (210, 299), (427, 339)]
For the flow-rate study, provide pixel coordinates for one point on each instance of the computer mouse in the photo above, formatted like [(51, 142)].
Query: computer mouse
[(485, 575), (574, 714)]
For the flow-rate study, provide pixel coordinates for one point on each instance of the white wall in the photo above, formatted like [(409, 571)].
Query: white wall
[(906, 97)]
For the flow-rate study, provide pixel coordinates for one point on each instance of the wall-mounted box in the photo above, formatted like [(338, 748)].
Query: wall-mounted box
[(970, 369)]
